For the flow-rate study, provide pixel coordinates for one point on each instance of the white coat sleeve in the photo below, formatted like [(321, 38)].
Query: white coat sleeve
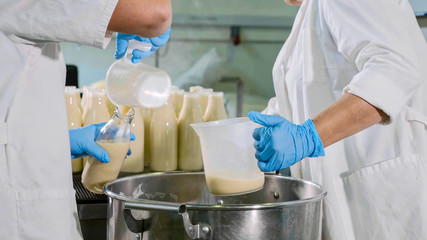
[(378, 37), (272, 107), (82, 21)]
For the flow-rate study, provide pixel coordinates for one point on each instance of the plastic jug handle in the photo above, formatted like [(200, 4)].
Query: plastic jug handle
[(135, 44)]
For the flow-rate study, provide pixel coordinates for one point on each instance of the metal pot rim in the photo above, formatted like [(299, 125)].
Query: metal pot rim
[(206, 207)]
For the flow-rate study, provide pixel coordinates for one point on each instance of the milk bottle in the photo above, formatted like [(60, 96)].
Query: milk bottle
[(215, 109), (114, 138), (189, 152), (146, 116), (177, 99), (135, 162), (164, 139), (74, 117), (96, 110), (85, 97), (203, 96)]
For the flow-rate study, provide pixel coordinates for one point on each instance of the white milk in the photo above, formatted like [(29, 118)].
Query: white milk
[(134, 163), (96, 174), (225, 186), (74, 117), (215, 109), (189, 151), (164, 139)]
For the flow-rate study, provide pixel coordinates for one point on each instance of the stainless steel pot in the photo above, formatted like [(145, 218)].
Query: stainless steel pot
[(179, 206)]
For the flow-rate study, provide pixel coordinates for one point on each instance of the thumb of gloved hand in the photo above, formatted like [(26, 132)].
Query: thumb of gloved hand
[(265, 120), (82, 142)]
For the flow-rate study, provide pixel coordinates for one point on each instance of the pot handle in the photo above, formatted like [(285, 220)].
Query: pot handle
[(198, 231), (153, 205)]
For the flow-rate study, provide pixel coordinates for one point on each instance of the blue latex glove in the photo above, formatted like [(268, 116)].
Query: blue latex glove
[(280, 143), (82, 143), (138, 55)]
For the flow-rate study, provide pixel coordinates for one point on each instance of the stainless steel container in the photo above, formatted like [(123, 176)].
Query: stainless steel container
[(179, 206)]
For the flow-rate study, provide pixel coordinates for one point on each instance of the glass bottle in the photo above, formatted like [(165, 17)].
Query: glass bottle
[(85, 97), (134, 163), (176, 99), (146, 115), (189, 152), (203, 96), (215, 109), (114, 138), (74, 117), (164, 139)]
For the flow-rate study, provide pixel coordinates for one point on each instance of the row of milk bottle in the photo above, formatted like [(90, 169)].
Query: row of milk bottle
[(164, 139)]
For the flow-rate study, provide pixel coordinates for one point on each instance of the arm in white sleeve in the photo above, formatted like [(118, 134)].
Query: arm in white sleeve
[(378, 37), (83, 22)]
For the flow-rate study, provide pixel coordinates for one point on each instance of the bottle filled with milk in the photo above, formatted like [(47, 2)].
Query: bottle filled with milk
[(74, 117), (134, 163), (164, 139), (189, 151), (114, 138)]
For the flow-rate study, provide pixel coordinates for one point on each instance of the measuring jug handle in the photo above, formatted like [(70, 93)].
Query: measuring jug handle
[(135, 44)]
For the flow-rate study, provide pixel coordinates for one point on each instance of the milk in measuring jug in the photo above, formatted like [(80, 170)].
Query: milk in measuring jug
[(219, 185)]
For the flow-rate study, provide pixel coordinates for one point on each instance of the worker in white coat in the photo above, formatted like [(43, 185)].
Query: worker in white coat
[(350, 114), (37, 195)]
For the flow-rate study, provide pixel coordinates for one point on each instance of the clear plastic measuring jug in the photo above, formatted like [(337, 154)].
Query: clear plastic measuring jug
[(137, 85), (229, 156)]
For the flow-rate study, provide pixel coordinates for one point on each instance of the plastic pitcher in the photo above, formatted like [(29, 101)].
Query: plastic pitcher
[(229, 156), (137, 85)]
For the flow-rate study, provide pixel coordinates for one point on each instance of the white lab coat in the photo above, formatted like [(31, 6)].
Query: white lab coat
[(376, 179), (37, 195)]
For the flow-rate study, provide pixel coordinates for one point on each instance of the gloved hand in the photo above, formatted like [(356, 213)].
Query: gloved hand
[(280, 143), (82, 143), (138, 55)]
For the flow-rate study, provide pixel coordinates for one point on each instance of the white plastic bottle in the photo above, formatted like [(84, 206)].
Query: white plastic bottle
[(74, 116), (134, 163), (189, 152), (164, 139), (215, 109)]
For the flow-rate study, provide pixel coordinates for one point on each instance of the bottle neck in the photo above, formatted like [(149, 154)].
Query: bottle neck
[(124, 117)]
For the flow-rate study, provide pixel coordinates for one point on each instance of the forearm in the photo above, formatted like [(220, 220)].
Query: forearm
[(146, 18), (347, 116)]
